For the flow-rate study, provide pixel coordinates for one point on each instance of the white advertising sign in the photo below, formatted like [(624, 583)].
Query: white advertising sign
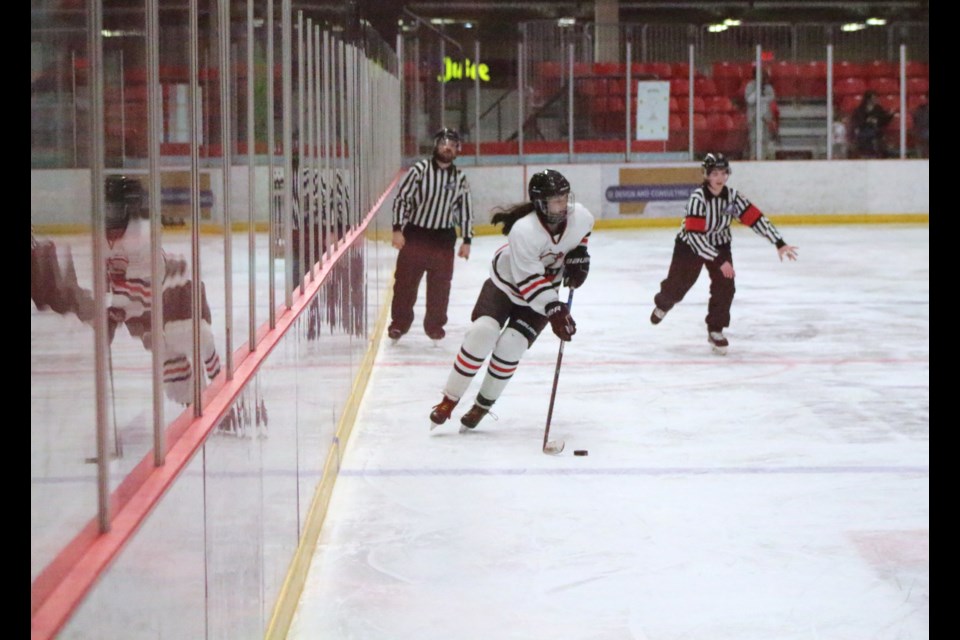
[(653, 110)]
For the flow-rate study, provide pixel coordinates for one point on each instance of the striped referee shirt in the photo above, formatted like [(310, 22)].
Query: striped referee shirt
[(434, 198), (707, 218)]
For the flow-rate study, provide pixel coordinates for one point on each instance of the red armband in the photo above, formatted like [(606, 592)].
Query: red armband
[(750, 216), (695, 223)]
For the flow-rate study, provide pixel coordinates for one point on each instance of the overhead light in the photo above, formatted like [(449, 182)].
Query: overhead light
[(717, 28), (468, 25), (442, 21), (876, 22), (566, 22), (732, 22), (853, 26), (108, 33)]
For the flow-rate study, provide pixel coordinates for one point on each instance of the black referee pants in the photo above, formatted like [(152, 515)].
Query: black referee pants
[(685, 267), (430, 252)]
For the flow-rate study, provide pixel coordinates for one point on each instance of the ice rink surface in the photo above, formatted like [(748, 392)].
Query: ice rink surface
[(778, 492)]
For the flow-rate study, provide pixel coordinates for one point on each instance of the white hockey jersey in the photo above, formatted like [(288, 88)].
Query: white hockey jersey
[(529, 268)]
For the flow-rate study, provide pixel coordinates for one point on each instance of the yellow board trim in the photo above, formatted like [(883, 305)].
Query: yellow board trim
[(601, 223), (289, 597)]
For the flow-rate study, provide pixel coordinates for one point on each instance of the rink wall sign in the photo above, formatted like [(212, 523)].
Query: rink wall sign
[(650, 192)]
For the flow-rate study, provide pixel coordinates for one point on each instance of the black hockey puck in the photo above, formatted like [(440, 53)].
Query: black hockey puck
[(580, 452)]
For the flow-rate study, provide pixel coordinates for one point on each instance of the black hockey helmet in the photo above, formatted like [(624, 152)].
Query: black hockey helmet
[(124, 199), (713, 161), (447, 134), (548, 184)]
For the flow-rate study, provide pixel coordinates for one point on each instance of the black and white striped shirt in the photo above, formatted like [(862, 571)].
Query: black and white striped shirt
[(434, 198), (314, 187), (707, 218)]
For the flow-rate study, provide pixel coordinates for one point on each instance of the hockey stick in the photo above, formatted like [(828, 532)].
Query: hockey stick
[(553, 447), (117, 447)]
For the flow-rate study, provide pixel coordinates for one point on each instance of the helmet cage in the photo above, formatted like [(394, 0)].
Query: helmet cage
[(444, 135), (556, 208)]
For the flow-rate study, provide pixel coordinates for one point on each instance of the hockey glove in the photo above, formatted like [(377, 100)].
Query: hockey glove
[(558, 313), (576, 265)]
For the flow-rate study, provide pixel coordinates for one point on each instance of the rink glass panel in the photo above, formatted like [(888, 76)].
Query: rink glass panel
[(212, 557)]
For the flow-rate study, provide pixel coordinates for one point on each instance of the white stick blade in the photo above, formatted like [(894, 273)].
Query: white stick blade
[(554, 447)]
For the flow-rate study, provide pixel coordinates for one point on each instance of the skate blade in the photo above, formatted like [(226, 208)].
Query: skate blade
[(554, 447), (720, 351), (465, 429)]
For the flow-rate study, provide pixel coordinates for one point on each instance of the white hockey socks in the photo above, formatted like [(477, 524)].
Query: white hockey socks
[(477, 345), (503, 363)]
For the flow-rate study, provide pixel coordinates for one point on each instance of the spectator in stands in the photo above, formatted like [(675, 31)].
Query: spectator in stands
[(769, 114), (867, 123), (921, 129)]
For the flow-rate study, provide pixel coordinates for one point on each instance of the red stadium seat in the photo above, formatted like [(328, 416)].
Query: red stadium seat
[(661, 70), (783, 77), (918, 70), (590, 87), (719, 104), (699, 104), (889, 101), (849, 103), (812, 79), (847, 69), (679, 87), (915, 100), (881, 69), (728, 77), (704, 87), (883, 85), (726, 138), (581, 69), (618, 87), (918, 85), (849, 87), (615, 104), (680, 69), (608, 69)]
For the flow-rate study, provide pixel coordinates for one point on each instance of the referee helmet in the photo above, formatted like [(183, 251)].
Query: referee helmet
[(447, 134), (713, 161)]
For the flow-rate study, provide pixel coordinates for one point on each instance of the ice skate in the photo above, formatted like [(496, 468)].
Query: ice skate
[(441, 412), (718, 342), (436, 336), (394, 335), (657, 315), (472, 418)]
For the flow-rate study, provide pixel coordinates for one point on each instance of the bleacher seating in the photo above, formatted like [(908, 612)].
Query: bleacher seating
[(783, 77), (718, 108)]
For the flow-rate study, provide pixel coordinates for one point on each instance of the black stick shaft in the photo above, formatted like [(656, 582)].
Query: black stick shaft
[(556, 379)]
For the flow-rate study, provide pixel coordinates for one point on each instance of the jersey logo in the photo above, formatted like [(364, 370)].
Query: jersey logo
[(552, 260)]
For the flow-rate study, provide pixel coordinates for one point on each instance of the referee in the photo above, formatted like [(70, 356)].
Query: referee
[(433, 198)]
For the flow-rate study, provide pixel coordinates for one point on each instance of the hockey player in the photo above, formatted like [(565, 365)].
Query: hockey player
[(130, 293), (546, 244), (704, 240), (129, 290)]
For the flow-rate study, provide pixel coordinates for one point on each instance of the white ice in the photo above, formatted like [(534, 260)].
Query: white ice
[(778, 492)]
